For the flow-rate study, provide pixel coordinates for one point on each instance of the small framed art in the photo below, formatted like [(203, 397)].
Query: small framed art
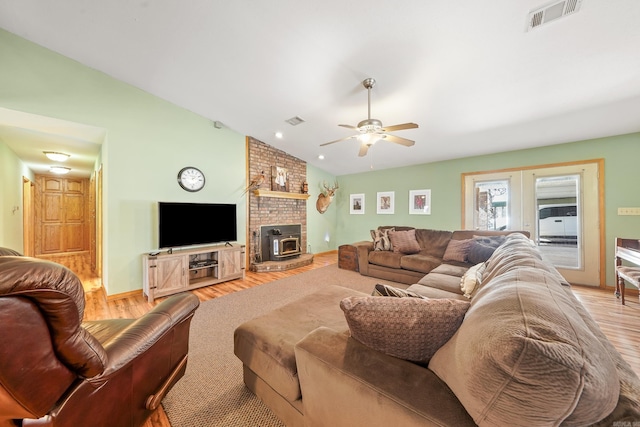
[(356, 204), (420, 202), (386, 201), (279, 179)]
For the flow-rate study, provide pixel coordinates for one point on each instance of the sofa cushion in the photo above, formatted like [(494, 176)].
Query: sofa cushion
[(451, 270), (441, 281), (457, 250), (381, 240), (9, 252), (433, 242), (404, 241), (419, 262), (523, 356), (265, 344), (430, 292), (381, 290), (514, 254), (385, 258), (407, 328)]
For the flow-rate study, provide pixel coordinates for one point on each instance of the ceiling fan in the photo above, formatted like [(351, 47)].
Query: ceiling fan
[(372, 131)]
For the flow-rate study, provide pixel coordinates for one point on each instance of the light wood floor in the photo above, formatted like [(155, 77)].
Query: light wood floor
[(620, 323)]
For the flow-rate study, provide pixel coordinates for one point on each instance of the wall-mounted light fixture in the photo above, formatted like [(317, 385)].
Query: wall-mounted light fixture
[(60, 170), (56, 156)]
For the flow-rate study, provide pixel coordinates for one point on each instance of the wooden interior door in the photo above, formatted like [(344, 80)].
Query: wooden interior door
[(62, 215)]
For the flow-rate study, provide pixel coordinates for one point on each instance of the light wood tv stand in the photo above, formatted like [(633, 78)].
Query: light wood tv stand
[(181, 270)]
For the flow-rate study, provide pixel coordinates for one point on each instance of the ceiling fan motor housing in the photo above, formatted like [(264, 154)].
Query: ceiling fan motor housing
[(370, 126)]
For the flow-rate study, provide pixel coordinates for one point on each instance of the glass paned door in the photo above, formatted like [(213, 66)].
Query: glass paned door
[(491, 205), (559, 221), (558, 205)]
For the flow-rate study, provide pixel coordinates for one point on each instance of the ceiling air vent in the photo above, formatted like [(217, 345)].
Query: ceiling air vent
[(551, 11), (294, 121)]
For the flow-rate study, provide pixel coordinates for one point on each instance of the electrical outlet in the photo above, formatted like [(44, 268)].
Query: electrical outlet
[(628, 211)]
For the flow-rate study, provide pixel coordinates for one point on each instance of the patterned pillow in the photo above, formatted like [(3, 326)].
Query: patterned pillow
[(408, 328), (381, 241), (471, 279), (457, 250), (404, 241), (381, 290)]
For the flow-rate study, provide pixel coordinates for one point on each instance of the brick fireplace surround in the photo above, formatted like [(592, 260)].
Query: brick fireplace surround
[(266, 211)]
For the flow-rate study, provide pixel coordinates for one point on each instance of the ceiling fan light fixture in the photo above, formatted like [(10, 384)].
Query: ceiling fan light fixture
[(368, 139), (370, 126), (56, 156)]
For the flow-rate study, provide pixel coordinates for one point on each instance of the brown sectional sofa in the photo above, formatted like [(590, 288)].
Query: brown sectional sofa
[(410, 268), (526, 353)]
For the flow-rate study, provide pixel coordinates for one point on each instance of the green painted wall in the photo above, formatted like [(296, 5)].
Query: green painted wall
[(321, 228), (620, 154), (12, 170)]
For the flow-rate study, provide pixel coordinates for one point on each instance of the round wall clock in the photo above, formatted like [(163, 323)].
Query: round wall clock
[(191, 179)]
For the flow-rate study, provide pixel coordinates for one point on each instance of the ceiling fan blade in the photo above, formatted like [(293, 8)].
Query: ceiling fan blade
[(402, 141), (399, 127), (363, 150), (349, 127), (338, 140)]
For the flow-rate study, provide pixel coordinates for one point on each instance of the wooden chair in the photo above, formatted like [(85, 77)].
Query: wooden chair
[(627, 250)]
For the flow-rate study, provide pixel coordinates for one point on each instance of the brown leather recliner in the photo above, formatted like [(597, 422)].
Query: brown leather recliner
[(56, 370)]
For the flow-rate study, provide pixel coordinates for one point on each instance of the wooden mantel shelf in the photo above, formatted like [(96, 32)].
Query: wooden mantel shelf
[(280, 194)]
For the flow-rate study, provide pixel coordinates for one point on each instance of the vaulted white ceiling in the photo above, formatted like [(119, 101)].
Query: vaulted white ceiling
[(466, 71)]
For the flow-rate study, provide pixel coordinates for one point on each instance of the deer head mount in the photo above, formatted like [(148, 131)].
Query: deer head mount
[(326, 197)]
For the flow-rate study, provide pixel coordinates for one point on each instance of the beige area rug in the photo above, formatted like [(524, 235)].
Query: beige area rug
[(212, 392)]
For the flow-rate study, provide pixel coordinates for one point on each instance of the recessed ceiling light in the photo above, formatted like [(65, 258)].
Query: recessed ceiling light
[(60, 170), (321, 156), (279, 135), (56, 156)]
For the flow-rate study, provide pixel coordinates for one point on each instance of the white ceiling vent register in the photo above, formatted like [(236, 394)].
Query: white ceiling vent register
[(551, 11), (295, 121)]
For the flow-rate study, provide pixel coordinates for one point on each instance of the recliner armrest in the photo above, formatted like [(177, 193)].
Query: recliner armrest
[(143, 332)]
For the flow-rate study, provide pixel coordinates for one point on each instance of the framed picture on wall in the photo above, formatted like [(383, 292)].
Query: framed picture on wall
[(356, 204), (420, 202), (279, 179), (385, 202)]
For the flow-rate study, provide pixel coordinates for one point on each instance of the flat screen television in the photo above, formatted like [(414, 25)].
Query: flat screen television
[(189, 224)]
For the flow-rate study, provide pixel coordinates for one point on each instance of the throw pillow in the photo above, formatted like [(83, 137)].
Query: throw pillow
[(457, 250), (408, 328), (479, 252), (381, 290), (471, 279), (404, 241), (381, 240), (491, 241), (484, 246)]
